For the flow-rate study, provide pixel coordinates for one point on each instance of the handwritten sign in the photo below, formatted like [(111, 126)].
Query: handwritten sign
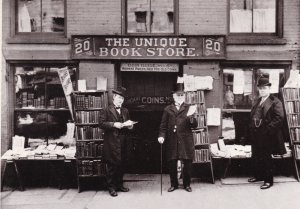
[(158, 47)]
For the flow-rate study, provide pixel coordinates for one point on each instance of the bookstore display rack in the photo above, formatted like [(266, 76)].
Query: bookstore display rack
[(291, 97), (200, 134), (89, 137), (40, 112)]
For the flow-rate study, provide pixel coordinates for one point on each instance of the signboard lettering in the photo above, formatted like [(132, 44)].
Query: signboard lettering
[(118, 47), (150, 67)]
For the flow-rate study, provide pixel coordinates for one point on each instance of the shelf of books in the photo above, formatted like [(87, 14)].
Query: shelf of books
[(291, 97), (89, 137), (200, 134)]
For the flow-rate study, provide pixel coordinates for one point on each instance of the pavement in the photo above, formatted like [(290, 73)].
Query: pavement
[(145, 194)]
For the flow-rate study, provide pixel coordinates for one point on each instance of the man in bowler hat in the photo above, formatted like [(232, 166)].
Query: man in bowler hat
[(266, 133), (115, 122), (175, 129)]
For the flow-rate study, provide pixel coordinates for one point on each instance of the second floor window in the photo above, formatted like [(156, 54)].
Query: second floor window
[(253, 16), (150, 16), (40, 16)]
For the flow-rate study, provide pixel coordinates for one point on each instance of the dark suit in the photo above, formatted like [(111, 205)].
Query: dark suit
[(176, 127), (266, 136), (114, 141)]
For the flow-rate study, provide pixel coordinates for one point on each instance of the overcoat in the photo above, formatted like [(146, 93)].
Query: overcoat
[(113, 137), (175, 127), (271, 139)]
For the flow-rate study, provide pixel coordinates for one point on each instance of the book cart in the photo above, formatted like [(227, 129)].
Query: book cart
[(89, 136), (291, 98), (200, 134)]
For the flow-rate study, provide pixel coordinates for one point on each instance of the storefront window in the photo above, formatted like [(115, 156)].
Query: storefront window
[(150, 16), (239, 85), (40, 16), (41, 110), (253, 16)]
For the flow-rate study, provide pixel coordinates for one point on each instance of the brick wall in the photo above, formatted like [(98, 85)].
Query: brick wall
[(203, 17), (94, 17)]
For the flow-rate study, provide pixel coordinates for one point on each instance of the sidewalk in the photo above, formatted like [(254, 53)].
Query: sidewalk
[(145, 194)]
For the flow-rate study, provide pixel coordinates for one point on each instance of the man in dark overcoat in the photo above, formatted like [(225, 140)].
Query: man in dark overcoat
[(175, 129), (112, 120), (266, 133)]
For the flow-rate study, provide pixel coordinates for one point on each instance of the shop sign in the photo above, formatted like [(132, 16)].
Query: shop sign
[(148, 100), (146, 47), (150, 67)]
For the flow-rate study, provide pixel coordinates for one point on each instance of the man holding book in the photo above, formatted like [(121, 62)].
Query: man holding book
[(266, 133), (175, 129), (115, 121)]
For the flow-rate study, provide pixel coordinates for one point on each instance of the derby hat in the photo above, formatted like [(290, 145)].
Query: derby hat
[(262, 81), (178, 88), (120, 91)]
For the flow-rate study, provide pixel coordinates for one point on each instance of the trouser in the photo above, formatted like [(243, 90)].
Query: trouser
[(263, 164), (114, 176), (186, 172)]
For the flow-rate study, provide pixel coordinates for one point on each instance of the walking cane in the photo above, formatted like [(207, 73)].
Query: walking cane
[(160, 169)]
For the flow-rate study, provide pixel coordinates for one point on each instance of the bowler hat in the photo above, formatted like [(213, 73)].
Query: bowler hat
[(120, 90), (178, 88), (262, 81)]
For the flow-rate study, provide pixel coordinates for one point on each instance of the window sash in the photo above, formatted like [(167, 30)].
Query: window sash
[(258, 17)]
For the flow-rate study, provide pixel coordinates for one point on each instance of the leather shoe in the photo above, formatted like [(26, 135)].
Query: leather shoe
[(188, 189), (171, 189), (253, 179), (123, 189), (113, 193), (266, 185)]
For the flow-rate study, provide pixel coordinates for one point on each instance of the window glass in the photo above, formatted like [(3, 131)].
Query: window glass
[(252, 16), (150, 16), (239, 85), (40, 15)]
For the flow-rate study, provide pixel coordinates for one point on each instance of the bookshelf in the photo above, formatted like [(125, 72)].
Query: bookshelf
[(200, 134), (291, 98), (40, 108), (89, 137)]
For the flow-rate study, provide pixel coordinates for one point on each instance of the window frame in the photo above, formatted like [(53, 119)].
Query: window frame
[(286, 66), (124, 25), (35, 37), (259, 38)]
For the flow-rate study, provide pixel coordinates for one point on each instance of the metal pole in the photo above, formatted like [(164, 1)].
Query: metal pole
[(160, 169)]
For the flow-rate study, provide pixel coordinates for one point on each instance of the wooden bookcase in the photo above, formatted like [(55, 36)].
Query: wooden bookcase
[(40, 109), (89, 136), (200, 134), (291, 98)]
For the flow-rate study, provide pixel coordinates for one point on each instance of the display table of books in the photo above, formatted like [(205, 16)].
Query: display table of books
[(233, 152), (55, 155)]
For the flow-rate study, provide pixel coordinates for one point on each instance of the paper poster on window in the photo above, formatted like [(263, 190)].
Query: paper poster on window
[(248, 82), (274, 80), (189, 82), (213, 116), (203, 82), (238, 82)]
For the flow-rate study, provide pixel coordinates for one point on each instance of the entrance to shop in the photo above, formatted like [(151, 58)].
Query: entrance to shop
[(148, 94)]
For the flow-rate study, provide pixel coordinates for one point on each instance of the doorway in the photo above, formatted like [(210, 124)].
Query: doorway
[(148, 93)]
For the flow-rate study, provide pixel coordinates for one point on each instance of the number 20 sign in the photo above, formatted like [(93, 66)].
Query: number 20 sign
[(83, 46), (213, 47)]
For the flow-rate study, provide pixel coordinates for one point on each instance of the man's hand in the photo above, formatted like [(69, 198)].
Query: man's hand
[(161, 140), (118, 125)]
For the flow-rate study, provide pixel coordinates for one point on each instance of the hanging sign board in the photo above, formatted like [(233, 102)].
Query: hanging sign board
[(147, 47), (150, 67)]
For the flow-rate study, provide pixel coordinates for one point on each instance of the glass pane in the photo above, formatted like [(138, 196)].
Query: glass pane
[(264, 16), (240, 16), (29, 15), (163, 16), (138, 16), (53, 16), (31, 125), (238, 88), (57, 127), (30, 87)]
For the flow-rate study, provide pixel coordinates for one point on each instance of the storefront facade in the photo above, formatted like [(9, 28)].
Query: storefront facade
[(144, 46)]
